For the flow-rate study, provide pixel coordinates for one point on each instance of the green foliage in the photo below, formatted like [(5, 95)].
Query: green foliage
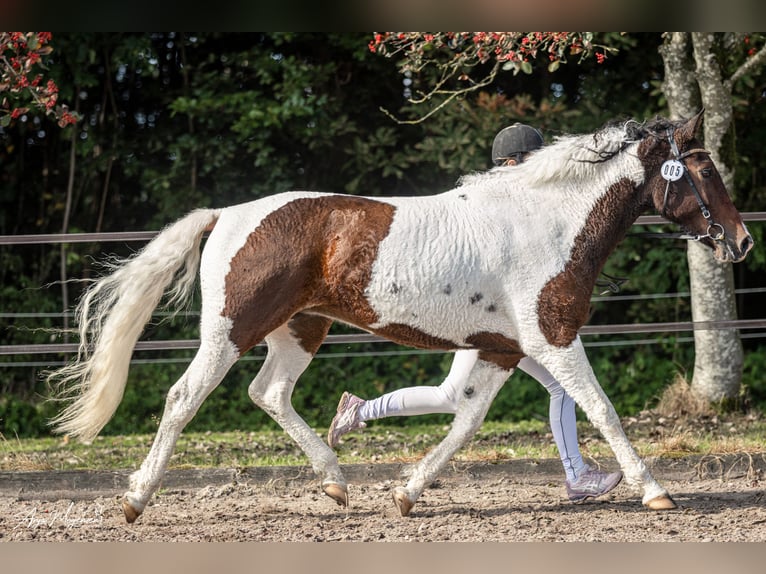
[(22, 418), (753, 384)]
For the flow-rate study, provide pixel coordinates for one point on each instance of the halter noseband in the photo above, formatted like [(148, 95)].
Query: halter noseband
[(715, 230)]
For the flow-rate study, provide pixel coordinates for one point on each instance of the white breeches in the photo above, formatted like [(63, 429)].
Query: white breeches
[(423, 400)]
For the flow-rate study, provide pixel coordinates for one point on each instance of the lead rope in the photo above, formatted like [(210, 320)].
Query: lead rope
[(612, 284)]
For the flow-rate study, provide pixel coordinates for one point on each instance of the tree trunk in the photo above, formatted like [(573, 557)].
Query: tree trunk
[(719, 357), (718, 353), (679, 84)]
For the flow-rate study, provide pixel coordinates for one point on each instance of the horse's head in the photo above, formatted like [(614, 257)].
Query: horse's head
[(687, 189)]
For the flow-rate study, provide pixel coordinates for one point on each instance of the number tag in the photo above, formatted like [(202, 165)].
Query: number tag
[(672, 170)]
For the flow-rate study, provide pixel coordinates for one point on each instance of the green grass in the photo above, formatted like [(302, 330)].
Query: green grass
[(651, 435)]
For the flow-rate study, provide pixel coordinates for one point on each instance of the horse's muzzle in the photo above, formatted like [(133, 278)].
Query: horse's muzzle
[(733, 251)]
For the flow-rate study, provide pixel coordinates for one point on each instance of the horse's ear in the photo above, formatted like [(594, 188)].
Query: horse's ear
[(688, 130)]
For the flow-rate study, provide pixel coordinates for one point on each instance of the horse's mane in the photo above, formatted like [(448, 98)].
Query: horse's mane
[(577, 157)]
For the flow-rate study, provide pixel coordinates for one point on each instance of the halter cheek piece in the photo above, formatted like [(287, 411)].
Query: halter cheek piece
[(673, 170)]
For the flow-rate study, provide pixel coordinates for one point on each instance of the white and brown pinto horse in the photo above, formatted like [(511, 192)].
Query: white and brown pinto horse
[(505, 264)]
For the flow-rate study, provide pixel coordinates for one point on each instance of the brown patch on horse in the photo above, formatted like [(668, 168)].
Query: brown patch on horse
[(353, 237), (311, 253), (410, 336), (310, 330), (563, 304), (497, 349)]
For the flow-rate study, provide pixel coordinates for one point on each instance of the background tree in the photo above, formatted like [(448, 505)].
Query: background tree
[(703, 70), (25, 90), (23, 85)]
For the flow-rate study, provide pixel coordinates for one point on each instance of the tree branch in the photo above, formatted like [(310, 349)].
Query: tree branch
[(755, 61), (451, 95)]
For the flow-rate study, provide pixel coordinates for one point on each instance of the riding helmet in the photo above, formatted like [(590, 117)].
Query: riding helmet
[(515, 140)]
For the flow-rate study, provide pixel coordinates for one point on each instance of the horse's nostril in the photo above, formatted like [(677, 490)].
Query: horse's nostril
[(746, 245)]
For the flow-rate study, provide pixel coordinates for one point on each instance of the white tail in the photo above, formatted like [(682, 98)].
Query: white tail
[(112, 314)]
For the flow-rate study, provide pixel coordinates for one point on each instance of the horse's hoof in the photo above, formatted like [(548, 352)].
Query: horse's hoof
[(337, 492), (130, 511), (662, 502), (402, 501)]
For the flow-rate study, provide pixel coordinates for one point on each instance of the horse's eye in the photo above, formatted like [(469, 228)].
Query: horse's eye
[(707, 172)]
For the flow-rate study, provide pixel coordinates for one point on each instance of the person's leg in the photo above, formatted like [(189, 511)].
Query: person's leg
[(582, 481), (563, 419), (423, 400), (353, 411)]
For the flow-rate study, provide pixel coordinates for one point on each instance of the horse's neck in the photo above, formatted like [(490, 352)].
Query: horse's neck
[(608, 223)]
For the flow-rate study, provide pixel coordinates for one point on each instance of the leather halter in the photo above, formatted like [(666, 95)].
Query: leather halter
[(715, 230)]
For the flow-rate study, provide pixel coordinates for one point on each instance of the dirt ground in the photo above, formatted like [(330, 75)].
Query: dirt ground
[(718, 501)]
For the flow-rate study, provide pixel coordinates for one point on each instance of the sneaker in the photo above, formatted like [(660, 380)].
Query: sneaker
[(346, 418), (592, 483)]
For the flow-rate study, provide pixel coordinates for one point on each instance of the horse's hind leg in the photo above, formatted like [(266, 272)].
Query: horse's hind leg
[(476, 397), (291, 348), (205, 372)]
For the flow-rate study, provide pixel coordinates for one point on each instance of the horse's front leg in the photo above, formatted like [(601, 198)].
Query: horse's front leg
[(475, 399), (571, 368)]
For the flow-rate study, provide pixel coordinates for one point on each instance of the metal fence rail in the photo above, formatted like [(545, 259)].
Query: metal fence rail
[(148, 235), (187, 344), (587, 330)]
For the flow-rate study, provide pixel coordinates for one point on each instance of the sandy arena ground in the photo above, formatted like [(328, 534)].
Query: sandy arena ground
[(719, 500)]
